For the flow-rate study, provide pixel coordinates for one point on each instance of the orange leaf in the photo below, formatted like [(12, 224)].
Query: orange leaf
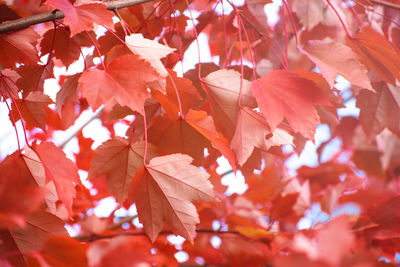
[(188, 96), (377, 53), (204, 124), (164, 190)]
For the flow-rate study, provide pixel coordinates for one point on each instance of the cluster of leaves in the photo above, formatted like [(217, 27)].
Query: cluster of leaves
[(269, 86)]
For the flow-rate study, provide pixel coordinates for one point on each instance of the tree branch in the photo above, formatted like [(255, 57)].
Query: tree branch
[(94, 237), (96, 115), (57, 14), (386, 4)]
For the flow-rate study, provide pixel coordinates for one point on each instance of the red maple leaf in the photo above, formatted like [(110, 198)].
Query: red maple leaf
[(283, 94), (124, 81)]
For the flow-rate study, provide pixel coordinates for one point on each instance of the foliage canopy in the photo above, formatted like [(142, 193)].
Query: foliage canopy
[(267, 87)]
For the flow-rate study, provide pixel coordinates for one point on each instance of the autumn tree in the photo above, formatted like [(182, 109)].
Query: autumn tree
[(255, 102)]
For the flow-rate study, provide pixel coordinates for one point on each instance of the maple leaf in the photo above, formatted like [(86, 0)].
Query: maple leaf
[(85, 154), (223, 89), (256, 8), (64, 47), (33, 77), (59, 169), (68, 92), (341, 60), (163, 191), (63, 251), (16, 177), (266, 186), (152, 52), (310, 13), (17, 47), (188, 96), (202, 116), (39, 227), (332, 242), (244, 141), (177, 136), (241, 251), (204, 124), (32, 108), (300, 194), (36, 168), (124, 80), (119, 160), (380, 110), (376, 53), (8, 89), (286, 94), (121, 251), (81, 18)]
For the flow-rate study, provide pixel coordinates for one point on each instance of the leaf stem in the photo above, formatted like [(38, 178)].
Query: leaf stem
[(225, 34), (15, 103), (340, 19), (12, 119), (196, 37), (145, 137), (172, 5), (181, 115), (52, 46), (293, 24), (253, 62), (148, 16), (75, 42), (286, 36), (359, 21), (115, 35), (97, 49), (241, 60), (265, 37)]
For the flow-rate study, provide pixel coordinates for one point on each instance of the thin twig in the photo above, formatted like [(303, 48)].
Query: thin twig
[(121, 222), (96, 115), (226, 173), (94, 237), (57, 14)]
